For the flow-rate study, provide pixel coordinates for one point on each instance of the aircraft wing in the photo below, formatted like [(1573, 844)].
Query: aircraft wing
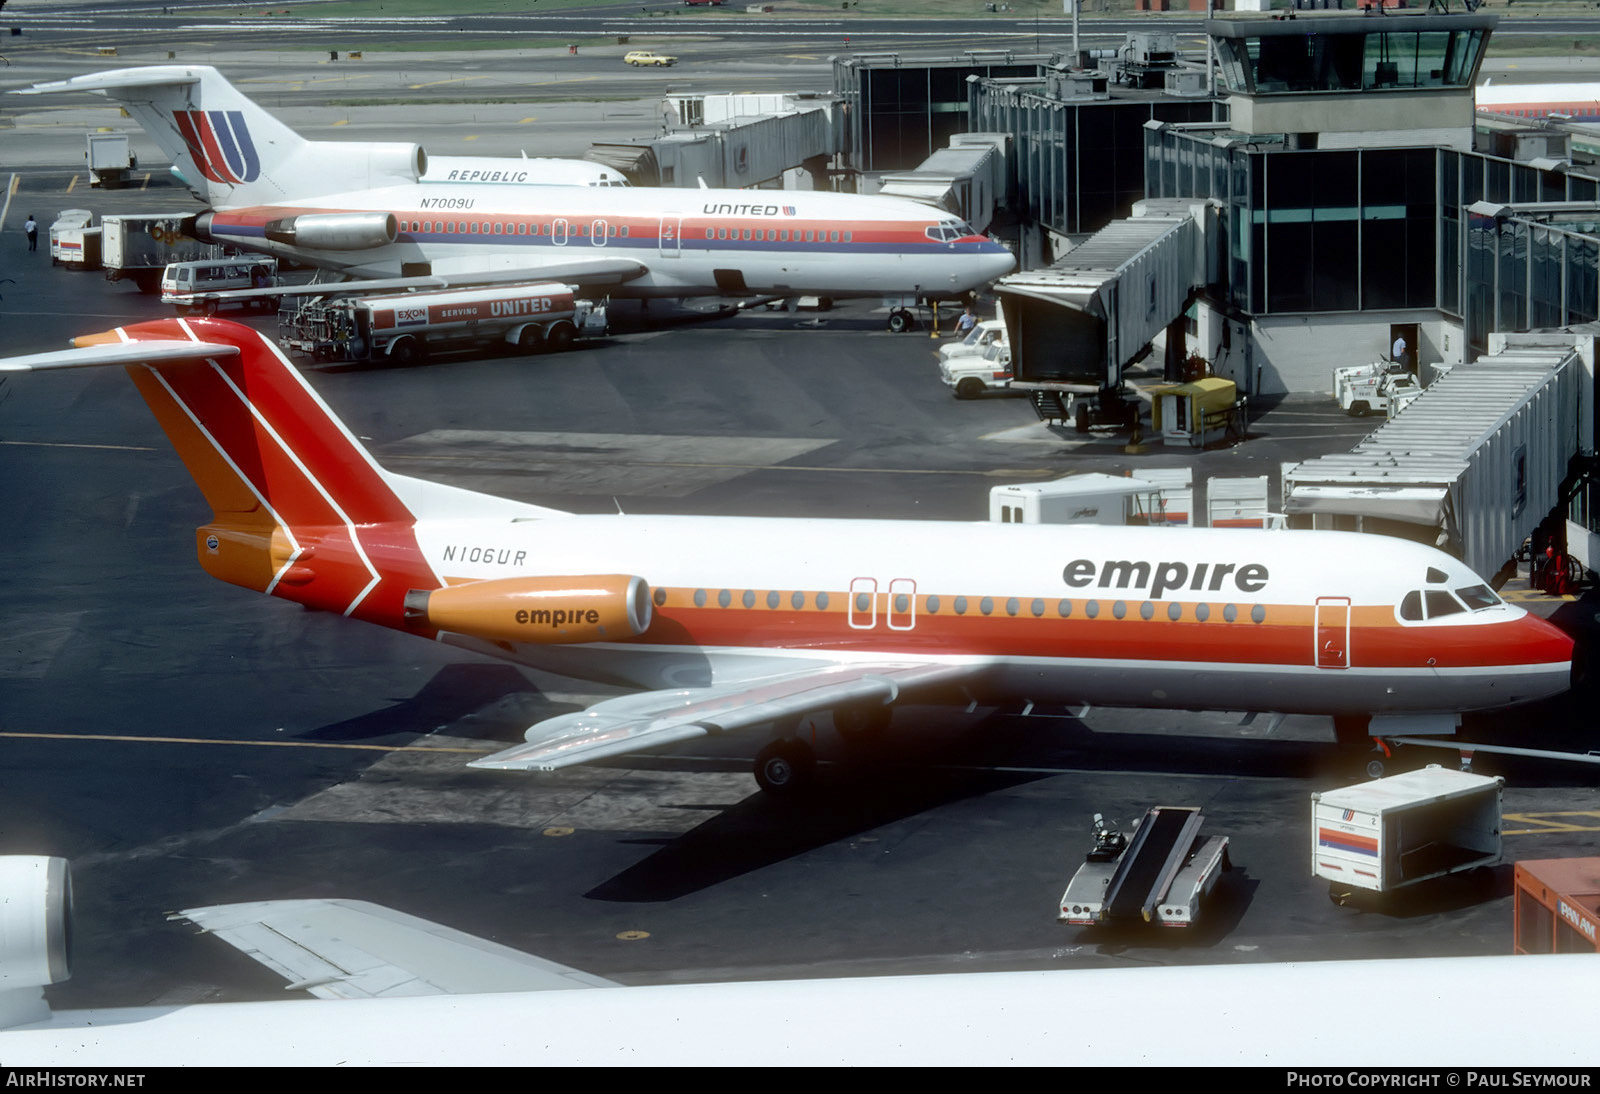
[(581, 272), (327, 288), (631, 723), (575, 268), (350, 949), (118, 353)]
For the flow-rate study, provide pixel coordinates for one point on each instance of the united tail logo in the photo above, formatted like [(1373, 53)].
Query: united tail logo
[(220, 145)]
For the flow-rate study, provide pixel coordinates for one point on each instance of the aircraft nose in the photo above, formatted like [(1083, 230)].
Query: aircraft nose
[(1546, 644), (998, 262)]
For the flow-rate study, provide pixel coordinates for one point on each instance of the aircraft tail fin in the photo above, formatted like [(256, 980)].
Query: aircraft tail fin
[(300, 509), (231, 151)]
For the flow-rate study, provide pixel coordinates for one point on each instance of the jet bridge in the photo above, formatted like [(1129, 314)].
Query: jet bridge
[(1473, 464), (1075, 325)]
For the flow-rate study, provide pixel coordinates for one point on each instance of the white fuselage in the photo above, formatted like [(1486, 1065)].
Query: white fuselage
[(686, 242), (1306, 622)]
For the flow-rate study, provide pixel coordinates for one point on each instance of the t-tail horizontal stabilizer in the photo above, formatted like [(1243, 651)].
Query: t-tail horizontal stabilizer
[(92, 354)]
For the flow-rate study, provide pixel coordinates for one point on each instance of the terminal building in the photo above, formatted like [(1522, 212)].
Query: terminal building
[(1316, 191)]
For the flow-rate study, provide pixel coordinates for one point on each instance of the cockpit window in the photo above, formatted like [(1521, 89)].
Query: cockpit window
[(1441, 603), (1420, 604), (949, 230)]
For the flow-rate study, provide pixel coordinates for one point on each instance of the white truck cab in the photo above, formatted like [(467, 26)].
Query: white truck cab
[(973, 374), (978, 339)]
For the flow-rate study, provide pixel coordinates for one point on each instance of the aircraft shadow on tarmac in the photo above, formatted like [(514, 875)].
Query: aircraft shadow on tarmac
[(947, 757), (481, 700), (761, 831)]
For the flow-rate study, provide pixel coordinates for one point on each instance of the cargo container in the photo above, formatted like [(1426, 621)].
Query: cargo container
[(74, 242), (140, 247), (1391, 833), (1089, 498), (1557, 906), (1238, 502), (109, 159), (1176, 486)]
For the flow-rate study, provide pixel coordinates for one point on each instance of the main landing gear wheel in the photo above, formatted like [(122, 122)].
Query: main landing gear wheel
[(900, 320), (784, 767)]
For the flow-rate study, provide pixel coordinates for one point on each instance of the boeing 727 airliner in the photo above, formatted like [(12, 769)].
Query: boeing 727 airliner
[(733, 623), (365, 209)]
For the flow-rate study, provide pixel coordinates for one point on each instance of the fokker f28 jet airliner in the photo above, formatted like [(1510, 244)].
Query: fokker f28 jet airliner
[(362, 209), (733, 623)]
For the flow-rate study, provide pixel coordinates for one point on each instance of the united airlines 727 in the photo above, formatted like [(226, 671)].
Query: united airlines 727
[(365, 210), (733, 623)]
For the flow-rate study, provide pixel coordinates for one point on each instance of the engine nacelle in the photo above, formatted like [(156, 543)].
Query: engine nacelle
[(35, 921), (392, 162), (539, 610), (335, 231)]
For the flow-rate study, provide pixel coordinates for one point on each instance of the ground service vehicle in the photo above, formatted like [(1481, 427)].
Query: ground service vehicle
[(1160, 873), (408, 326), (109, 159), (978, 339), (1364, 389), (970, 375), (642, 57), (186, 283), (142, 246)]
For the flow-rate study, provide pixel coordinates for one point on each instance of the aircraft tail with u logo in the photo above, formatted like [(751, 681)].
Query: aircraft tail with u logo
[(230, 151)]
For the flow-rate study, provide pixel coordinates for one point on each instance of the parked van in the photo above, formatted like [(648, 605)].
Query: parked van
[(186, 283)]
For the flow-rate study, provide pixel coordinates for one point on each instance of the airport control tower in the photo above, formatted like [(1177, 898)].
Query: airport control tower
[(1344, 81)]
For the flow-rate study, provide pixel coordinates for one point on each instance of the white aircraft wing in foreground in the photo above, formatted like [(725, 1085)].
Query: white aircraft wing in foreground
[(350, 949), (1275, 1013)]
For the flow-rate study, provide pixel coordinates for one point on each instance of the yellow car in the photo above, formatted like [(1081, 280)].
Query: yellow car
[(645, 57)]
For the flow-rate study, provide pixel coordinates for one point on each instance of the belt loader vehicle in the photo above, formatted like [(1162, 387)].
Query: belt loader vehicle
[(1159, 874)]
